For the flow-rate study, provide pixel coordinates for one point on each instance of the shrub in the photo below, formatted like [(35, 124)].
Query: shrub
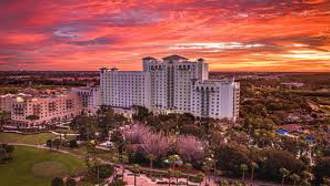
[(73, 143), (104, 171), (118, 182), (71, 182), (322, 169), (57, 182)]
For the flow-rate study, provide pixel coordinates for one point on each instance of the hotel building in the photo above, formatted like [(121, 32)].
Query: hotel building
[(27, 110), (173, 84), (89, 98), (6, 102)]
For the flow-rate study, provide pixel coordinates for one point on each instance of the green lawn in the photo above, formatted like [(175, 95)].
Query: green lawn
[(36, 167), (33, 139)]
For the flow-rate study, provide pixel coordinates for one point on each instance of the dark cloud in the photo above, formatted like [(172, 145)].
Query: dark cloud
[(131, 17), (96, 41), (261, 9), (311, 41)]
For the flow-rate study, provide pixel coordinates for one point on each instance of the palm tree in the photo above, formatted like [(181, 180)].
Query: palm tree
[(177, 175), (326, 181), (238, 183), (49, 144), (124, 160), (284, 172), (243, 168), (307, 177), (200, 177), (170, 172), (57, 143), (188, 166), (57, 181), (305, 183), (151, 158), (172, 160), (91, 158), (295, 178), (224, 183), (207, 169), (208, 166), (136, 172), (254, 166)]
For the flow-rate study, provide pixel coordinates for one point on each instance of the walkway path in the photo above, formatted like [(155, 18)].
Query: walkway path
[(64, 134)]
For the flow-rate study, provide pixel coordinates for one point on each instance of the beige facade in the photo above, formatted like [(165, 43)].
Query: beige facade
[(44, 110)]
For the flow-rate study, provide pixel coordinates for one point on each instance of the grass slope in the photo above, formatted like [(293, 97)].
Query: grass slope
[(34, 139), (36, 167)]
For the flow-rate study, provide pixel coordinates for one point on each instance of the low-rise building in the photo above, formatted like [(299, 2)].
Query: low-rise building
[(39, 110)]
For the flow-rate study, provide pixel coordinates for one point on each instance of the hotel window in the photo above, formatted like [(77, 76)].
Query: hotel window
[(69, 104), (51, 107)]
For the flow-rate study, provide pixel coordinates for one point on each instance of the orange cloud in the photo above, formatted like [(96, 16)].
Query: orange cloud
[(232, 35)]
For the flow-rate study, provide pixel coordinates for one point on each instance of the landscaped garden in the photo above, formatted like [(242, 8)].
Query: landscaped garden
[(34, 167)]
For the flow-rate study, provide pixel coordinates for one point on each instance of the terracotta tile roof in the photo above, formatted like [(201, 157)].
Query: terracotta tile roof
[(174, 57)]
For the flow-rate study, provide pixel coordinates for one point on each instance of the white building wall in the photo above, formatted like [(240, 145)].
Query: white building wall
[(216, 99), (171, 81), (169, 85), (125, 89), (90, 98), (6, 102)]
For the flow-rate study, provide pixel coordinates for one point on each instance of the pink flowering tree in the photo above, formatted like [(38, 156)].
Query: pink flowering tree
[(190, 148), (134, 134), (155, 145)]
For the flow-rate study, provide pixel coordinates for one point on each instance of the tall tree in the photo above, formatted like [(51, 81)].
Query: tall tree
[(190, 148), (32, 118), (295, 178), (141, 113), (57, 143), (136, 172), (86, 125), (4, 117), (154, 145), (254, 166), (243, 168), (284, 172)]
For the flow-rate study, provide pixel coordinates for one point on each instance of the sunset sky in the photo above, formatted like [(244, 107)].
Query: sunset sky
[(231, 35)]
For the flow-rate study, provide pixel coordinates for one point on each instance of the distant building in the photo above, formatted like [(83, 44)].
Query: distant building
[(30, 110), (173, 84), (90, 98), (6, 102), (293, 85)]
